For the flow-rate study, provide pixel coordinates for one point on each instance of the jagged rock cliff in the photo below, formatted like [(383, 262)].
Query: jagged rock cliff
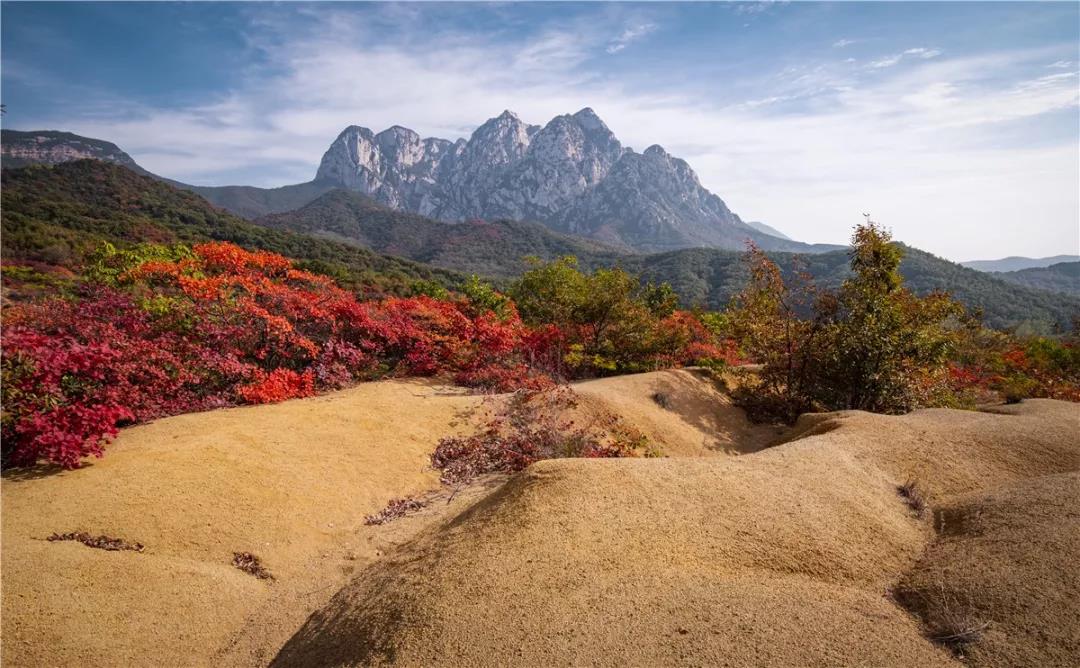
[(572, 174)]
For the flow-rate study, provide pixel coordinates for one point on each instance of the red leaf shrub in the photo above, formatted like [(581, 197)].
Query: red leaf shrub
[(278, 385), (222, 325), (532, 425)]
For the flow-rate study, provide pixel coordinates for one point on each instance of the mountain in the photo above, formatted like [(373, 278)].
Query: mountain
[(572, 175), (252, 202), (51, 147), (56, 215), (494, 249), (1061, 277), (1016, 263), (767, 229)]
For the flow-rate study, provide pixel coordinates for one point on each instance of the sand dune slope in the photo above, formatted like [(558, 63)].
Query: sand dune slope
[(783, 557), (695, 418), (290, 482), (1005, 564)]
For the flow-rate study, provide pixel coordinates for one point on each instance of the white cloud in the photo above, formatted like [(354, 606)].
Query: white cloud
[(807, 152), (923, 52), (841, 43), (745, 8), (1061, 64), (918, 52), (888, 61), (631, 34)]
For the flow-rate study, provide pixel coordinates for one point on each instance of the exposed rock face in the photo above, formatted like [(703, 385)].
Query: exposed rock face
[(654, 201), (48, 147), (573, 175)]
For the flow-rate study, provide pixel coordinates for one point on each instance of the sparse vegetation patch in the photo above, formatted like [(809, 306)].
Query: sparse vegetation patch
[(395, 509), (99, 542), (913, 497), (250, 564), (533, 425)]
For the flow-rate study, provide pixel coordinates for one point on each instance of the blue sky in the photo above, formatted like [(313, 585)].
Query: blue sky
[(956, 124)]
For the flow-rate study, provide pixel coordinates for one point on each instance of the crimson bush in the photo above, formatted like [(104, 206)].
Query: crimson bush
[(159, 331)]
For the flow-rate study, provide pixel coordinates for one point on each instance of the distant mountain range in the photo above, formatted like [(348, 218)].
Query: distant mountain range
[(1017, 263), (572, 175), (55, 214), (1061, 277)]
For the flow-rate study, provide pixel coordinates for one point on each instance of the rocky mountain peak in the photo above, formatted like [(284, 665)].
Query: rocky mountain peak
[(572, 174), (656, 151), (588, 119), (50, 147)]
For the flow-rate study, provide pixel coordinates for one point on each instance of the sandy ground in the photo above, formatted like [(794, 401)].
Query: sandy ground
[(290, 483), (696, 420), (783, 556)]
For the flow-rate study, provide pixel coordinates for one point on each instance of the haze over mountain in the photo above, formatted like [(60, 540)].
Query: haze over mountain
[(1061, 277), (1016, 263)]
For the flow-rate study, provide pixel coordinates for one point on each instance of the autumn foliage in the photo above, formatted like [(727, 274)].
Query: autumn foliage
[(874, 345), (155, 331)]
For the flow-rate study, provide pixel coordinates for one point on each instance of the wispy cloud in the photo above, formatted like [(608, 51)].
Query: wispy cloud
[(631, 34), (918, 52), (922, 52), (887, 61), (841, 43), (1061, 64)]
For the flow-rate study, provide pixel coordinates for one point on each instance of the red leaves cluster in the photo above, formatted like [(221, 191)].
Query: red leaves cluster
[(229, 326), (278, 385), (993, 363), (531, 426)]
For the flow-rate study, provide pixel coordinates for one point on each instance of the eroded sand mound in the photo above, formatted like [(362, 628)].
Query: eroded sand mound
[(784, 557), (1005, 568), (682, 411), (290, 483)]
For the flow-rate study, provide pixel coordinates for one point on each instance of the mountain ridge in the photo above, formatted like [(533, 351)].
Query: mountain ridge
[(495, 249), (1017, 263), (571, 174), (556, 174), (1061, 277)]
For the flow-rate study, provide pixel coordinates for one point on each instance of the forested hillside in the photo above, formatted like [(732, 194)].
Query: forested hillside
[(494, 249), (1060, 277), (709, 277), (56, 215)]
